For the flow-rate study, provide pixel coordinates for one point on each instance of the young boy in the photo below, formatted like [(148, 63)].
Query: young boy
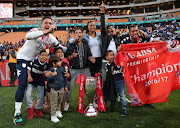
[(118, 79), (35, 78), (58, 84), (65, 64)]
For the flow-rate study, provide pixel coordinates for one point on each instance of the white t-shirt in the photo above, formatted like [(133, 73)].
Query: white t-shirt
[(112, 46), (35, 43), (94, 47)]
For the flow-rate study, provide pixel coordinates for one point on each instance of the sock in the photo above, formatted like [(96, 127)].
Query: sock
[(17, 107)]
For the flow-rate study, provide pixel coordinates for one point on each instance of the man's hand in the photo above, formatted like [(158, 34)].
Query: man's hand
[(102, 7), (74, 54), (76, 39), (30, 79), (52, 29), (117, 31), (119, 48), (143, 34)]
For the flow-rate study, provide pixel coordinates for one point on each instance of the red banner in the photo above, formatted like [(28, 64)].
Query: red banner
[(99, 94), (5, 74), (81, 92), (151, 71)]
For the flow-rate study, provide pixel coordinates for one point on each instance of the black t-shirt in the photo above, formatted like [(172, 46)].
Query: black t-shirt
[(37, 69), (117, 74), (83, 52), (127, 40)]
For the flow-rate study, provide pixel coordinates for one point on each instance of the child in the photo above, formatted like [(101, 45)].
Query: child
[(58, 84), (118, 81), (65, 64), (35, 77)]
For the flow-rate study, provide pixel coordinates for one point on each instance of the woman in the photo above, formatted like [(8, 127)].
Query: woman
[(94, 41), (95, 44)]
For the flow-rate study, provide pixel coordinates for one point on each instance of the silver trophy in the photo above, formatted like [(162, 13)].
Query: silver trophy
[(90, 91)]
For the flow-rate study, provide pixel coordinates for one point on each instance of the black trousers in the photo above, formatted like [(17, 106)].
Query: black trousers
[(13, 71), (95, 67)]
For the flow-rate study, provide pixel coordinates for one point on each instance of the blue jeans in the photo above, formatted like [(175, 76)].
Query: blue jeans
[(120, 88), (40, 96), (22, 77)]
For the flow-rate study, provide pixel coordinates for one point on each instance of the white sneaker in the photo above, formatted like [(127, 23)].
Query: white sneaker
[(54, 119), (129, 101), (119, 99), (66, 107), (59, 114)]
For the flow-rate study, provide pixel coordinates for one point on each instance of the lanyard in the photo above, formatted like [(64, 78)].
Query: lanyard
[(137, 40), (46, 44)]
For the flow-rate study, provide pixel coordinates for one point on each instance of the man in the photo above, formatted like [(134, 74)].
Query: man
[(135, 37), (1, 59), (37, 39), (78, 54), (12, 65)]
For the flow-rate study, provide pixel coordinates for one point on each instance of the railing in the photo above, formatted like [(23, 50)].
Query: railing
[(98, 24)]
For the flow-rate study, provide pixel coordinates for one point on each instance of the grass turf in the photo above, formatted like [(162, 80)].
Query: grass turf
[(166, 115)]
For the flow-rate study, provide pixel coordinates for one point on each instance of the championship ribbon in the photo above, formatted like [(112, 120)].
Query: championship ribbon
[(99, 93), (81, 92)]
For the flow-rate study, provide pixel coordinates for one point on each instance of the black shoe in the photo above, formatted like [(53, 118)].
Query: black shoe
[(151, 106), (124, 112), (18, 120), (12, 85)]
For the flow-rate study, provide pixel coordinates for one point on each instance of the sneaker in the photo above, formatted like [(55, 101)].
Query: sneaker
[(124, 112), (18, 120), (54, 119), (38, 113), (151, 106), (66, 106), (59, 114), (129, 101), (30, 113), (119, 99)]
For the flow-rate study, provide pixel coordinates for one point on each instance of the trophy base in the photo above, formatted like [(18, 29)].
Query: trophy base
[(91, 111)]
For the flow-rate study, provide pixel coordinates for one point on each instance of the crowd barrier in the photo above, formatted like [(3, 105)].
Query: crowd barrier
[(5, 74)]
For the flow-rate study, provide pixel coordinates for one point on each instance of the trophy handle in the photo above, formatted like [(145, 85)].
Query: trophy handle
[(87, 96)]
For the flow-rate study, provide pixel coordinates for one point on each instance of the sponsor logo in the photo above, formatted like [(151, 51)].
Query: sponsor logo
[(18, 72), (24, 65), (140, 53)]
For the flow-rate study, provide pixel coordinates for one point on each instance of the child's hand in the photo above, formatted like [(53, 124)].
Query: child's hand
[(54, 73), (30, 79), (122, 67), (66, 74), (66, 90), (47, 73)]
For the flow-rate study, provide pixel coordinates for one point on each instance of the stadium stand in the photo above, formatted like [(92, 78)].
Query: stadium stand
[(71, 13)]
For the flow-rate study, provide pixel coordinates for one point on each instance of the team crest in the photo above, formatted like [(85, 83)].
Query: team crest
[(23, 65)]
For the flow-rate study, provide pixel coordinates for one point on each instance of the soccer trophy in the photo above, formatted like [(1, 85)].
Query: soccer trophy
[(90, 92)]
